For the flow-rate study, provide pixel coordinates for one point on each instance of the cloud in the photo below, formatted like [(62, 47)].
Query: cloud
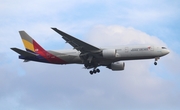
[(44, 86), (140, 83), (119, 35), (172, 63)]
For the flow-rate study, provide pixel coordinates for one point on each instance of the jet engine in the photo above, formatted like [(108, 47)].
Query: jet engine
[(116, 66), (110, 53)]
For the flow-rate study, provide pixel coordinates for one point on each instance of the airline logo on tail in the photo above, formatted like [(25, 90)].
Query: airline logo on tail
[(30, 44)]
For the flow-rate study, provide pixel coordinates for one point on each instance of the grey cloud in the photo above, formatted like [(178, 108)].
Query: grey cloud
[(69, 87)]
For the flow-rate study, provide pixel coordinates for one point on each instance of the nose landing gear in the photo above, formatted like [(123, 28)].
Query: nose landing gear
[(94, 71), (156, 59), (155, 63)]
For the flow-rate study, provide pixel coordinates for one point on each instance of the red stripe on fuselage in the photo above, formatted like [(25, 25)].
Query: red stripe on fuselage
[(49, 57)]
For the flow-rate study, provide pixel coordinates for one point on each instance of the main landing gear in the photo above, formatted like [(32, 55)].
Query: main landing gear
[(156, 59), (94, 71)]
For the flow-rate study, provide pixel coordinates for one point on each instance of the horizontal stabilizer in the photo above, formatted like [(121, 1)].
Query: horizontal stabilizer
[(24, 53)]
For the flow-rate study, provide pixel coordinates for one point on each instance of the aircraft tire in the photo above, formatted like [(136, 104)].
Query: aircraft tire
[(97, 70), (94, 71), (91, 72), (155, 63)]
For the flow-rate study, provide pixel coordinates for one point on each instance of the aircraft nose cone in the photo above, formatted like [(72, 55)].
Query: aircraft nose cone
[(167, 51)]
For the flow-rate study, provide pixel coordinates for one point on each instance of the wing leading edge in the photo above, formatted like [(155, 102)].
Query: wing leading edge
[(79, 45)]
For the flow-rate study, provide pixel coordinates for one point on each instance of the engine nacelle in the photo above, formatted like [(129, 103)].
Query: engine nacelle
[(116, 66), (110, 53)]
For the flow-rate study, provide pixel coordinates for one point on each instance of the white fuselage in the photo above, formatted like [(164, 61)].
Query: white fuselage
[(133, 52)]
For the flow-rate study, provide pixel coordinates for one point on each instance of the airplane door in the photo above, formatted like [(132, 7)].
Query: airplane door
[(158, 49), (126, 49), (127, 53)]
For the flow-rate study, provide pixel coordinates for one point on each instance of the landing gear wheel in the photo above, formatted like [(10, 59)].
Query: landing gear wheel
[(97, 70), (155, 63), (156, 59), (94, 71), (91, 72)]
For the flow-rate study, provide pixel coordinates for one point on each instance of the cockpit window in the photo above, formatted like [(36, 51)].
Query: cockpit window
[(163, 47)]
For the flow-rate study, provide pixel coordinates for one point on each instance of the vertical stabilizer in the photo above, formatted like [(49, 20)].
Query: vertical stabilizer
[(30, 44), (34, 52)]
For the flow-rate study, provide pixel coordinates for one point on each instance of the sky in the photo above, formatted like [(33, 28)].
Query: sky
[(103, 23)]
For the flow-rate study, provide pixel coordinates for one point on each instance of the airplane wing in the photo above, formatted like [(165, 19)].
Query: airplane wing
[(79, 45)]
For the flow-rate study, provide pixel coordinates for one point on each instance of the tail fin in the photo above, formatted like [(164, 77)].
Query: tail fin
[(30, 44), (34, 52)]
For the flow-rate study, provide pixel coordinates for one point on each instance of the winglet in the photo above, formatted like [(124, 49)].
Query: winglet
[(64, 35), (60, 32)]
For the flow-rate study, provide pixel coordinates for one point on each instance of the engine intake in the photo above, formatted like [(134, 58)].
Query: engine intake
[(116, 66)]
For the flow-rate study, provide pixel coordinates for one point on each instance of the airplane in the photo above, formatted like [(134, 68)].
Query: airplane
[(90, 56)]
